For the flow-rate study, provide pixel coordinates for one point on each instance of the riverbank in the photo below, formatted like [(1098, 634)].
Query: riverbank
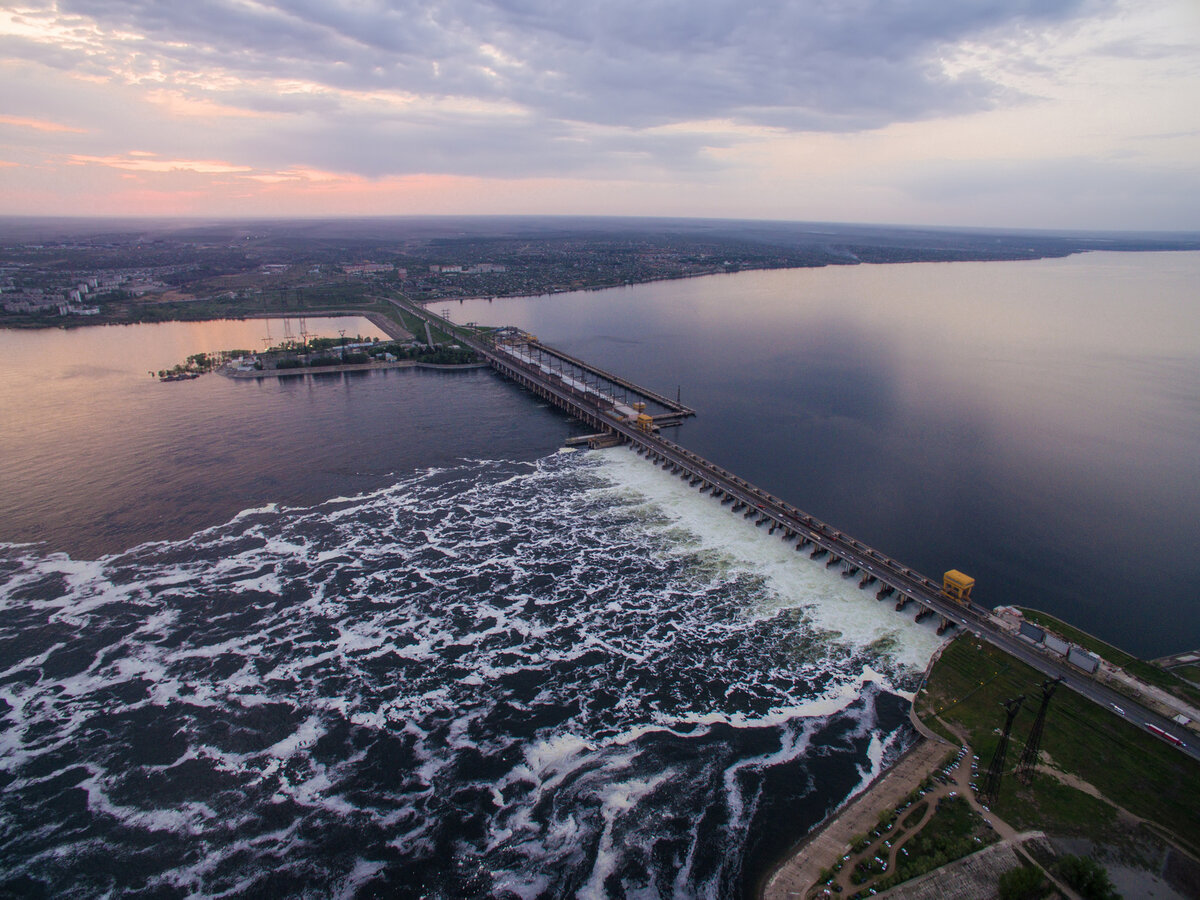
[(208, 312), (1100, 783), (801, 869), (352, 367)]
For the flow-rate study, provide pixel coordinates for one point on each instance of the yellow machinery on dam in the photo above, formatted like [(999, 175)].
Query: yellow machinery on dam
[(957, 586), (643, 421)]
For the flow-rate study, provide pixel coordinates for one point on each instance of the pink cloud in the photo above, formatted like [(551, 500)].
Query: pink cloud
[(141, 161), (39, 124)]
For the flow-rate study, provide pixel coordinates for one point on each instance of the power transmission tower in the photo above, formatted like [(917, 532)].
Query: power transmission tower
[(991, 784), (1029, 756)]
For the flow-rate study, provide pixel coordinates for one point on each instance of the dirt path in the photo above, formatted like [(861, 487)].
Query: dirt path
[(958, 784)]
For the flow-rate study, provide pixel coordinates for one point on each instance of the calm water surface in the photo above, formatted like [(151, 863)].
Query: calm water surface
[(1036, 424), (97, 456)]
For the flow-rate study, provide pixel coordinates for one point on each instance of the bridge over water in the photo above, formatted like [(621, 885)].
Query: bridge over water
[(590, 395)]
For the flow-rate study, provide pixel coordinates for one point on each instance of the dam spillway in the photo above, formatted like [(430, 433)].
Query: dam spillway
[(602, 401)]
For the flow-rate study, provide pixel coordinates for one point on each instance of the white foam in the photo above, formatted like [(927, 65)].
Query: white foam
[(616, 800), (832, 603), (527, 646), (362, 873), (301, 739), (878, 752)]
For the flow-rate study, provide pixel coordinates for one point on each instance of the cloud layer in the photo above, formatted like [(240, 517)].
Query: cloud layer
[(632, 90)]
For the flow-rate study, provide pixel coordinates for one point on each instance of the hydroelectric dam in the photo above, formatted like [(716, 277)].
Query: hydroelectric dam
[(624, 413)]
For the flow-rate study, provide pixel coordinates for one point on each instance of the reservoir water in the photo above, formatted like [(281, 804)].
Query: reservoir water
[(363, 635), (1035, 424)]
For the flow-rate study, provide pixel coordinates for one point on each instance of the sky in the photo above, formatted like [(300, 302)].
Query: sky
[(991, 113)]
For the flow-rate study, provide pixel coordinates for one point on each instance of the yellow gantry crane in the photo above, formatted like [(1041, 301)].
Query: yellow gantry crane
[(957, 586)]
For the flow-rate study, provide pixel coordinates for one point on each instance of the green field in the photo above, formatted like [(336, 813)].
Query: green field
[(416, 325), (1191, 673), (954, 831), (1133, 769)]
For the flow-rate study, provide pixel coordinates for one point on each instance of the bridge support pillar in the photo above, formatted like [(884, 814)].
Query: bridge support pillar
[(944, 625), (902, 602), (833, 561)]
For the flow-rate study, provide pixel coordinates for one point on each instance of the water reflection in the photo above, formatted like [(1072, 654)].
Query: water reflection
[(96, 455)]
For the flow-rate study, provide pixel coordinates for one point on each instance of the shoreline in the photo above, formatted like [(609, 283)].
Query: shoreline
[(349, 367), (71, 322), (388, 326), (797, 871)]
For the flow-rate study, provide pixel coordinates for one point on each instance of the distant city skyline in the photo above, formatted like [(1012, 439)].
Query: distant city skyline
[(1049, 114)]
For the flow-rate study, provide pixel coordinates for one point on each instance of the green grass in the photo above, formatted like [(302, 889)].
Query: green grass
[(1132, 768), (914, 813), (416, 324), (954, 831), (1139, 668), (1050, 805), (1191, 673)]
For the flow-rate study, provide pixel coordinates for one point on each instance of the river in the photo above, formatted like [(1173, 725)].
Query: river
[(372, 633)]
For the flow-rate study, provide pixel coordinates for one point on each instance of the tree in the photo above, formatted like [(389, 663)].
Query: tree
[(1025, 883), (1087, 877)]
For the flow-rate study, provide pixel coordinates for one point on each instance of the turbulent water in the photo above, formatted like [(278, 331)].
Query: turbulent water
[(570, 677)]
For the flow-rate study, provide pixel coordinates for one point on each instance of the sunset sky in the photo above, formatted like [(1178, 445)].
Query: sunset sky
[(1019, 113)]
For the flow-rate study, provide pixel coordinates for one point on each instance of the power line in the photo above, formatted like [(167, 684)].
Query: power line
[(991, 784), (1029, 757)]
